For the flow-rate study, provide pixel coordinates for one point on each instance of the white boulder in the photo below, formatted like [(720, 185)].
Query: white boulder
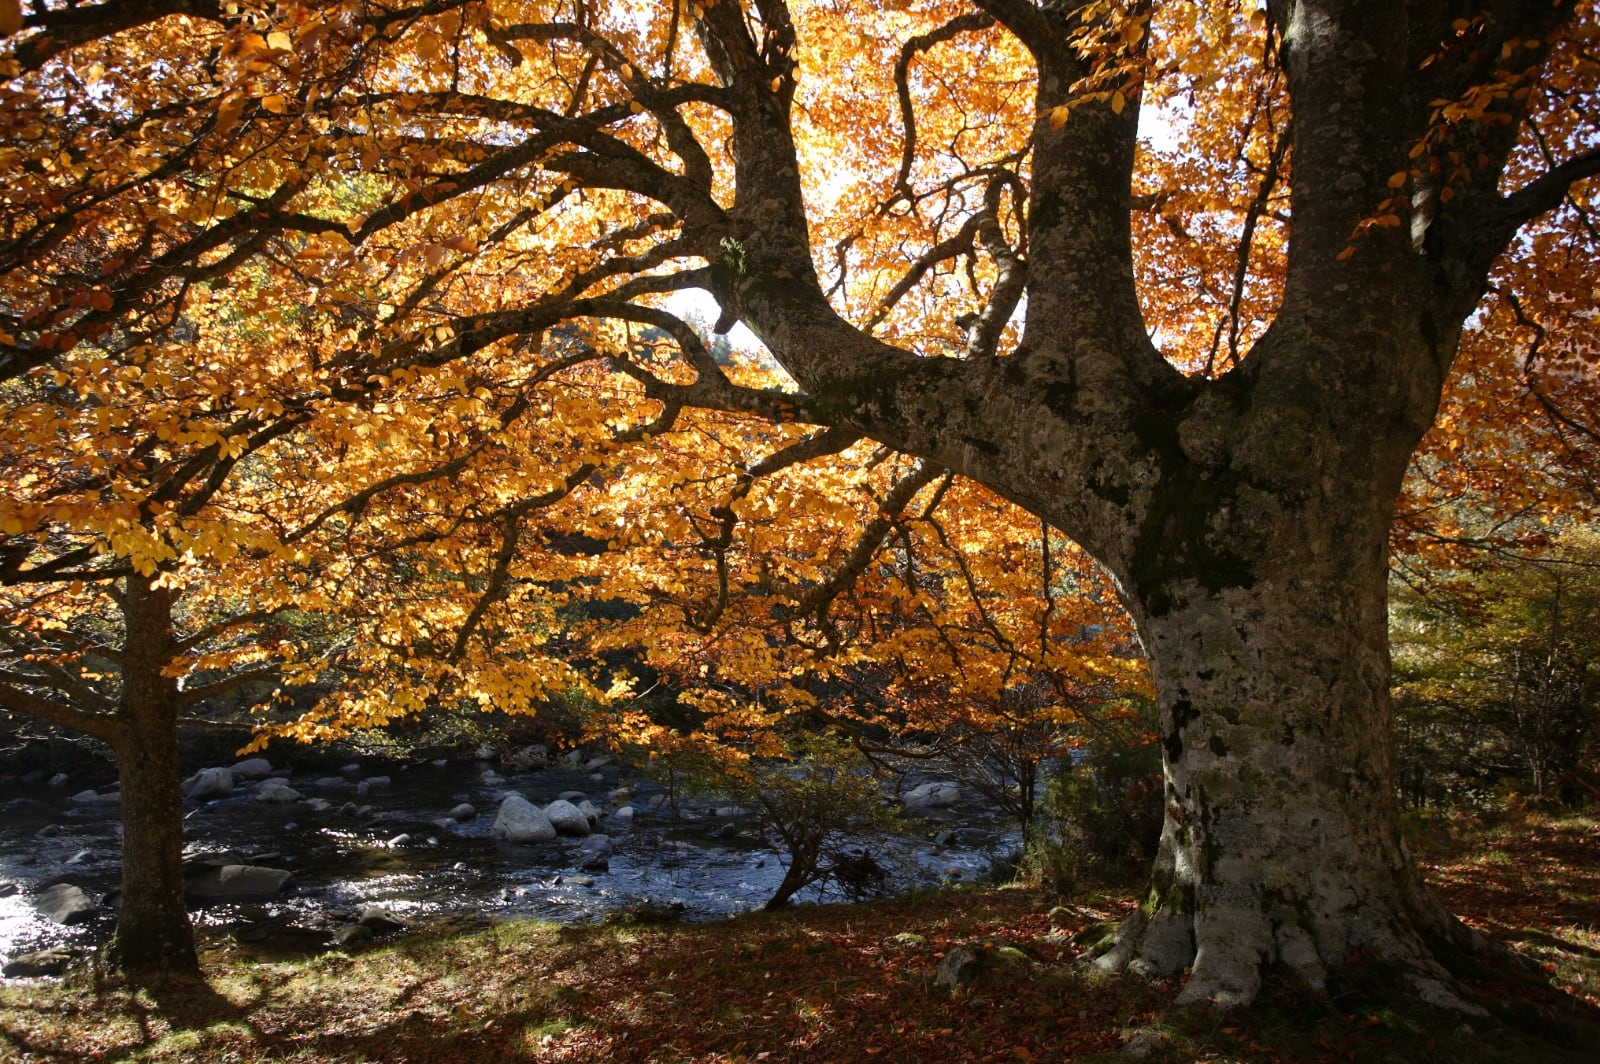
[(932, 795), (210, 783), (235, 881), (519, 820), (254, 768), (567, 818), (65, 904), (276, 791)]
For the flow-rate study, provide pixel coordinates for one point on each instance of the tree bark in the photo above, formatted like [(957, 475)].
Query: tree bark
[(154, 936), (1281, 843)]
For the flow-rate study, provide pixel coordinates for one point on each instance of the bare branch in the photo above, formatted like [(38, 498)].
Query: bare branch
[(1546, 192), (100, 725), (902, 73)]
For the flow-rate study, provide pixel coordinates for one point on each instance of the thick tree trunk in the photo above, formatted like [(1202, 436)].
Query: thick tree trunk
[(1281, 843), (154, 935)]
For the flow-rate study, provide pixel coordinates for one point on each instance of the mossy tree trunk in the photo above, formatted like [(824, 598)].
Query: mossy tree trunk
[(1281, 843)]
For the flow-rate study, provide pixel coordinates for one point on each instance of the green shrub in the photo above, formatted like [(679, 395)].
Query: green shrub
[(1102, 818)]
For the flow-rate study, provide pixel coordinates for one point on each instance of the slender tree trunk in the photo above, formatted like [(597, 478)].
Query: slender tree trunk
[(793, 881), (1281, 843), (154, 935)]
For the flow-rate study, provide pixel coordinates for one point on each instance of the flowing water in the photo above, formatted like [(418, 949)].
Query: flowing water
[(395, 845)]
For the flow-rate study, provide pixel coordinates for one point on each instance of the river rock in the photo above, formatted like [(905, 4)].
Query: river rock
[(317, 805), (932, 795), (529, 759), (65, 904), (464, 811), (9, 890), (596, 763), (272, 790), (594, 853), (600, 844), (41, 963), (253, 768), (567, 818), (623, 816), (380, 918), (372, 783), (519, 820), (94, 797), (234, 882), (210, 783), (572, 796), (590, 810), (490, 778), (352, 935), (60, 779)]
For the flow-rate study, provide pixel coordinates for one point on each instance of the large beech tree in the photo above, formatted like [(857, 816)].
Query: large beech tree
[(1207, 356)]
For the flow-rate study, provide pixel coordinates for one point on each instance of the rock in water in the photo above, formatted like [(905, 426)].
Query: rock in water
[(210, 783), (380, 918), (65, 904), (352, 935), (235, 882), (276, 791), (254, 768), (519, 820), (931, 795), (567, 818)]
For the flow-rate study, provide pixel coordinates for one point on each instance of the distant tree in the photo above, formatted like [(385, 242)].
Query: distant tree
[(812, 796), (1501, 680)]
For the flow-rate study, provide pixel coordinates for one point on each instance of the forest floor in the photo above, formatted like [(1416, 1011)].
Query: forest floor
[(847, 983)]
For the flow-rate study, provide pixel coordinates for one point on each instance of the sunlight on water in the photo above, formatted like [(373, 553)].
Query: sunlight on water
[(404, 853)]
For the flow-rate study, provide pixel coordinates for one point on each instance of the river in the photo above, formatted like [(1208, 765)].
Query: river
[(369, 842)]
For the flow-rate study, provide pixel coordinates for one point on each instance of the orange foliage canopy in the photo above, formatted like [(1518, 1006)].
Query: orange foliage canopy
[(373, 312)]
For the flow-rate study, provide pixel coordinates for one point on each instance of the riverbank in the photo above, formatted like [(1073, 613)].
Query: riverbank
[(843, 983)]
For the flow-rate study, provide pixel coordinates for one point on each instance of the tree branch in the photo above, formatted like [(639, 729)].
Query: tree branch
[(100, 725), (1546, 192)]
